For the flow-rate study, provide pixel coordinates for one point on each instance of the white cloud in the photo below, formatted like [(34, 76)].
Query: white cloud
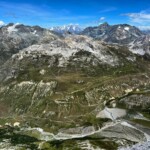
[(142, 17), (144, 27), (97, 22), (102, 18), (2, 23), (109, 9)]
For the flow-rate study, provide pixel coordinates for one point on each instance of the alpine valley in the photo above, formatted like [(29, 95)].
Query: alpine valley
[(74, 89)]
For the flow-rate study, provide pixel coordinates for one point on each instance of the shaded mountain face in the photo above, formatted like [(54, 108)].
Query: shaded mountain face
[(96, 32), (71, 92), (15, 37), (121, 34)]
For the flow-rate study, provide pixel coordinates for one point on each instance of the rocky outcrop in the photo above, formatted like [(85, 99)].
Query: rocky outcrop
[(139, 102), (141, 146)]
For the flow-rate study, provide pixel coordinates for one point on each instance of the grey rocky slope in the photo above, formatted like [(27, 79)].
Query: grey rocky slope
[(82, 92), (141, 45), (74, 52), (15, 37)]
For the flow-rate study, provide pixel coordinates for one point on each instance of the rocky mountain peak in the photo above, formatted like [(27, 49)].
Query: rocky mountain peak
[(10, 24), (104, 25), (122, 34), (14, 37)]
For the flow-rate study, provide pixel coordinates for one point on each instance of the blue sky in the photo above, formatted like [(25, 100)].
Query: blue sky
[(48, 13)]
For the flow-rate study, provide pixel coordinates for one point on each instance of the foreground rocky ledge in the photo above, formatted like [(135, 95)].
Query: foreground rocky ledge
[(118, 133)]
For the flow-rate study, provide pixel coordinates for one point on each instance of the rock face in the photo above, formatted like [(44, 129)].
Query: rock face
[(111, 113)]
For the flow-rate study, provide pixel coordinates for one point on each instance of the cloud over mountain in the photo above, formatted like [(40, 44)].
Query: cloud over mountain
[(2, 23)]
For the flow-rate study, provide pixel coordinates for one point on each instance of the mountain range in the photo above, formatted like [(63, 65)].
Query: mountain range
[(123, 34), (74, 89)]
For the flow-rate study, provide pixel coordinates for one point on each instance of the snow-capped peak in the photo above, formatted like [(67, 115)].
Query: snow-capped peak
[(67, 28)]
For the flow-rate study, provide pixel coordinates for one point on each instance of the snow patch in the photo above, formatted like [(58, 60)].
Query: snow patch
[(127, 28), (12, 28), (35, 33)]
